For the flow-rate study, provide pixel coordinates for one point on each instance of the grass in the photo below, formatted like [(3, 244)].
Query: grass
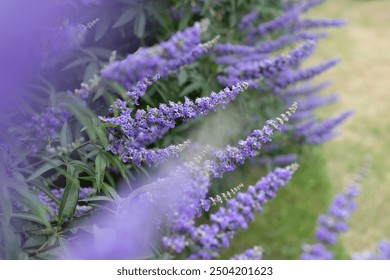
[(362, 79), (289, 220)]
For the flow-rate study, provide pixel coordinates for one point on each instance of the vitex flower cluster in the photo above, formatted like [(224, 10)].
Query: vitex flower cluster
[(182, 48), (76, 159), (334, 222), (136, 132), (208, 239)]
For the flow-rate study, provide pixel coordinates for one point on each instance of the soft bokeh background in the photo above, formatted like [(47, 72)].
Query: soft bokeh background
[(363, 80)]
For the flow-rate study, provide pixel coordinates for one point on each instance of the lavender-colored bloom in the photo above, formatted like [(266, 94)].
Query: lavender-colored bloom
[(284, 40), (209, 239), (228, 48), (248, 20), (133, 133), (172, 197), (192, 185), (268, 68), (309, 103), (334, 222), (139, 155), (182, 48), (230, 157), (287, 78), (316, 23), (255, 253), (140, 89), (316, 252), (47, 124), (306, 89), (288, 17), (279, 160), (382, 252), (276, 24), (320, 132), (286, 5)]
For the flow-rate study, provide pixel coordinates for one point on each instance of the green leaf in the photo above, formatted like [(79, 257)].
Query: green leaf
[(97, 198), (44, 168), (84, 116), (102, 27), (46, 190), (6, 206), (66, 137), (191, 88), (110, 191), (139, 26), (28, 216), (183, 77), (187, 14), (118, 164), (206, 5), (92, 69), (70, 196), (82, 166), (100, 168), (77, 63), (161, 17), (126, 17)]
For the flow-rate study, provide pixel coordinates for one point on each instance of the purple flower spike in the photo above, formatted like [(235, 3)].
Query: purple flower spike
[(135, 131), (230, 157), (248, 20), (181, 49), (316, 252), (255, 253), (382, 252), (239, 211), (334, 222), (285, 79)]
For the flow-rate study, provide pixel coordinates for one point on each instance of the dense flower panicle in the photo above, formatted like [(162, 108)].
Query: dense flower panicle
[(317, 23), (334, 222), (230, 157), (289, 16), (229, 48), (58, 193), (279, 160), (267, 68), (47, 124), (230, 60), (145, 127), (182, 48), (194, 186), (320, 132), (140, 89), (287, 78), (382, 252), (248, 20), (311, 102), (316, 252), (305, 89), (139, 155), (269, 46), (255, 253), (205, 204), (276, 24), (239, 211)]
